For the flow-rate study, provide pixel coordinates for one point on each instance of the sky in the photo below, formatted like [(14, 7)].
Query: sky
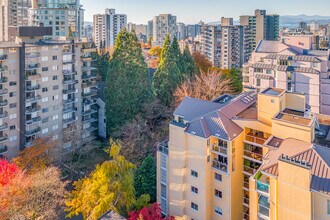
[(192, 11)]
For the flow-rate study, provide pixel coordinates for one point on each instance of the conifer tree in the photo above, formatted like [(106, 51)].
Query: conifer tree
[(127, 85), (165, 47), (188, 64)]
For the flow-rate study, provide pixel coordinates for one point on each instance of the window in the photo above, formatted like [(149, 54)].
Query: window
[(12, 105), (55, 67), (194, 189), (55, 137), (54, 57), (55, 87), (43, 59), (218, 193), (45, 89), (328, 207), (12, 94), (55, 127), (13, 138), (208, 158), (55, 117), (45, 130), (45, 79), (290, 86), (289, 76), (55, 97), (12, 83), (12, 127), (194, 173), (194, 206), (44, 120), (13, 116), (44, 69), (268, 71), (218, 176), (44, 99), (54, 77), (218, 210), (258, 82)]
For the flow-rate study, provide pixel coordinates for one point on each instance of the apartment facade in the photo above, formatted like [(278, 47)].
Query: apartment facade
[(262, 26), (66, 18), (211, 43), (164, 24), (107, 27), (47, 90), (218, 152), (13, 13), (294, 65)]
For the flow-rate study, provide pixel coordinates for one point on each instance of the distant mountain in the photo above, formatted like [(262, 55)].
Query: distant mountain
[(293, 20)]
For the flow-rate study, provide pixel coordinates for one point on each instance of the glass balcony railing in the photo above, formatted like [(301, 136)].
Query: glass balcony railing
[(262, 187), (163, 147), (219, 165), (263, 210), (220, 149), (255, 139)]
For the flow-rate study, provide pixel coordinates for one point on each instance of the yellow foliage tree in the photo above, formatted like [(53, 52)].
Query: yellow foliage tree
[(109, 187), (155, 51)]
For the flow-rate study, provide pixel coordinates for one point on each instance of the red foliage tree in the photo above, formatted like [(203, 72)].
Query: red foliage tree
[(8, 171), (152, 212)]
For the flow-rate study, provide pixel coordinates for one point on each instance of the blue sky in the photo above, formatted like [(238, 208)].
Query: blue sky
[(191, 11)]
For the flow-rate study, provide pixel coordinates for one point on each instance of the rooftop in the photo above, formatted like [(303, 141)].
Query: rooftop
[(273, 91), (294, 118)]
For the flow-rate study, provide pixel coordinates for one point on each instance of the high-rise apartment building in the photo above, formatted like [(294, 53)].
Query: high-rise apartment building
[(225, 45), (182, 33), (47, 89), (262, 26), (150, 30), (12, 14), (250, 156), (107, 27), (194, 30), (294, 65), (65, 17), (164, 24)]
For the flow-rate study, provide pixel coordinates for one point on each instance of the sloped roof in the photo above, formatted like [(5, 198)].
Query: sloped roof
[(307, 58), (263, 76), (263, 66), (266, 46)]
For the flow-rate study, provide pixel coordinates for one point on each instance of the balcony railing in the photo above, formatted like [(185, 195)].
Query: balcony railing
[(219, 165), (70, 81), (88, 112), (3, 138), (30, 110), (88, 84), (3, 149), (3, 115), (33, 131), (3, 57), (220, 149), (163, 147), (69, 120), (3, 68), (263, 210), (33, 99), (88, 76), (32, 55), (3, 91), (249, 170), (3, 103), (33, 120), (3, 126), (3, 79), (68, 101), (68, 110), (69, 72), (255, 139), (32, 66), (263, 187), (253, 155), (68, 91), (91, 93), (245, 200), (32, 88)]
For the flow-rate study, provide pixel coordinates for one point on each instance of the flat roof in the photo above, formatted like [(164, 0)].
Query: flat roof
[(295, 119), (274, 142), (273, 91)]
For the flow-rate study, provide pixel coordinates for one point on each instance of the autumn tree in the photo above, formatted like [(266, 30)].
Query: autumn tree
[(109, 187), (8, 171), (37, 157), (145, 178), (206, 86), (36, 196), (127, 84), (155, 51), (152, 212), (202, 63)]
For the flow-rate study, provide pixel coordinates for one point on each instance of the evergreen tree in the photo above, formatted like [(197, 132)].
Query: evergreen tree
[(188, 63), (102, 60), (127, 85), (165, 47), (145, 179), (235, 76)]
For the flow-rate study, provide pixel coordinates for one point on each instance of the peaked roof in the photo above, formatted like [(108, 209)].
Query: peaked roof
[(265, 46)]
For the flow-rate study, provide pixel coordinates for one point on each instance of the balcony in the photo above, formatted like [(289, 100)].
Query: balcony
[(245, 201), (32, 55), (90, 129), (219, 149), (89, 120), (88, 68), (262, 183), (70, 81), (88, 50), (3, 68), (3, 103), (91, 93), (258, 139), (33, 120), (69, 91), (3, 91), (86, 58), (72, 61), (3, 149), (69, 120), (33, 132), (68, 110), (219, 165), (3, 57), (87, 102), (69, 72), (263, 206), (3, 138), (3, 115), (32, 88), (33, 99), (3, 79), (3, 127), (67, 51), (33, 76), (32, 66), (88, 84), (249, 170), (69, 101), (88, 112), (88, 76), (163, 147), (253, 152), (30, 110)]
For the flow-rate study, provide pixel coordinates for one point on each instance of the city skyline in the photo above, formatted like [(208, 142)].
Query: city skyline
[(142, 11)]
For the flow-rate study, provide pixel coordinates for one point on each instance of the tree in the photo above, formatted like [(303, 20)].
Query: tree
[(109, 187), (102, 62), (152, 212), (165, 47), (188, 63), (206, 86), (145, 178), (235, 77), (8, 171), (155, 51), (37, 157), (127, 83), (202, 63), (36, 196)]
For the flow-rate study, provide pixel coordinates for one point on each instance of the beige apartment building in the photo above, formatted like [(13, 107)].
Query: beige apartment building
[(293, 65), (47, 89), (251, 156)]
